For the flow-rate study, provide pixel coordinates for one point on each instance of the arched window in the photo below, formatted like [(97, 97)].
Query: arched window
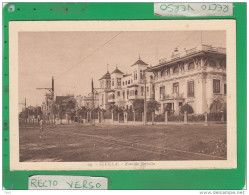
[(175, 70), (167, 71), (212, 64), (191, 66), (151, 77), (163, 73)]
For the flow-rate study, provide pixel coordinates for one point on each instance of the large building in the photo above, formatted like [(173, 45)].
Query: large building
[(121, 89), (88, 101), (197, 78)]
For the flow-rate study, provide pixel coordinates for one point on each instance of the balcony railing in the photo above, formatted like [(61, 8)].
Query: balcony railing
[(175, 56), (216, 49), (132, 97), (189, 51), (171, 96), (163, 60), (194, 50), (111, 100)]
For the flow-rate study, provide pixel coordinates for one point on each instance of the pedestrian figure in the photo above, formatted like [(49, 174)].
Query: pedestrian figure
[(41, 127)]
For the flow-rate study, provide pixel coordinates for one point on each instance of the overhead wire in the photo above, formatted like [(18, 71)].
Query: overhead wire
[(98, 48)]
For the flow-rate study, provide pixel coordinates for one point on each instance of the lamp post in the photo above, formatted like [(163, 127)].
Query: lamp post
[(145, 106)]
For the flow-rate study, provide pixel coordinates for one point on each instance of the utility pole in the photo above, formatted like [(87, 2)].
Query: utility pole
[(92, 121), (145, 106), (52, 93), (25, 106)]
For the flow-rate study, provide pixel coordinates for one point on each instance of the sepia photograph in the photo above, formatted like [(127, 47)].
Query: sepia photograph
[(123, 95)]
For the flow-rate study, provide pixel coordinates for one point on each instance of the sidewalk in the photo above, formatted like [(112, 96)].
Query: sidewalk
[(159, 123)]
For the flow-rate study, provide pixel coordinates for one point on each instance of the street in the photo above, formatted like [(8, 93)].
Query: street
[(79, 143)]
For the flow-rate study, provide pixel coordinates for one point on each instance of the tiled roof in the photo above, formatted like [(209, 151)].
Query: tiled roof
[(140, 62), (126, 75), (106, 76), (117, 71)]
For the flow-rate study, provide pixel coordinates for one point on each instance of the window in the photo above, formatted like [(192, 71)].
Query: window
[(123, 94), (129, 82), (135, 75), (191, 66), (225, 88), (212, 64), (102, 99), (191, 89), (118, 93), (162, 73), (176, 87), (162, 92), (216, 86), (141, 74), (142, 91), (136, 92), (167, 71), (112, 82), (123, 84), (127, 92), (119, 81), (175, 70)]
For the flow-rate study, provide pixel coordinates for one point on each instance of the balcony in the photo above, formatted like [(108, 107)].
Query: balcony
[(215, 49), (171, 96), (111, 100), (174, 56), (132, 97), (161, 61), (194, 50), (190, 51)]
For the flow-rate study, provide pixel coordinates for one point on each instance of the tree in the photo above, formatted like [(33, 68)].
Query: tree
[(116, 108), (138, 106), (152, 106), (61, 111), (188, 108), (83, 111)]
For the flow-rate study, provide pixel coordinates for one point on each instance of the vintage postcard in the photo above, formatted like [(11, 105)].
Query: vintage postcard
[(122, 95)]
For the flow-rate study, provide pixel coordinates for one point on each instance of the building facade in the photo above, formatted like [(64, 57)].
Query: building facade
[(88, 101), (196, 78), (122, 89)]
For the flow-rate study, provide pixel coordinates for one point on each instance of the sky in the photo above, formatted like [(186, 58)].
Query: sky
[(74, 58)]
